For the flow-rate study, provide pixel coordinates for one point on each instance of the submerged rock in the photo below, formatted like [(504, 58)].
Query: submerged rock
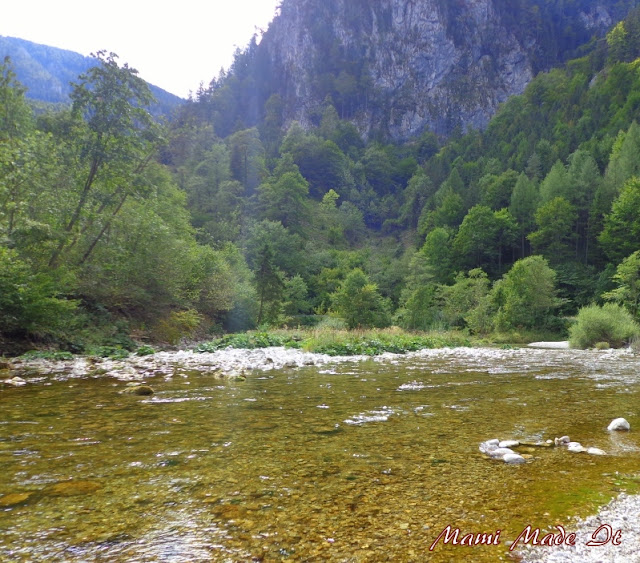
[(15, 499), (488, 446), (619, 424), (596, 451), (501, 452), (513, 459), (72, 488), (576, 447), (138, 390), (15, 381), (509, 444)]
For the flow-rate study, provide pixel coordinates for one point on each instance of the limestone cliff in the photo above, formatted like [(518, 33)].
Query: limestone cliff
[(397, 67)]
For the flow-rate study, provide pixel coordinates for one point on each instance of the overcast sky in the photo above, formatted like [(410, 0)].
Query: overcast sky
[(175, 45)]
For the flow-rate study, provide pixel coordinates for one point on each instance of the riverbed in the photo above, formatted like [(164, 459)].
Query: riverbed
[(310, 458)]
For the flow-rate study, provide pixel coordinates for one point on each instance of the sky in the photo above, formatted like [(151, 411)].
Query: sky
[(173, 44)]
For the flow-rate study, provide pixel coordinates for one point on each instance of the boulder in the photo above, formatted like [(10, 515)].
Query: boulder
[(596, 451), (509, 444), (501, 452), (513, 459), (619, 424), (138, 390)]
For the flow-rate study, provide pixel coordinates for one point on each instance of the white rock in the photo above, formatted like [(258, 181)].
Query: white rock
[(596, 451), (488, 446), (15, 381), (576, 447), (512, 459), (509, 444), (619, 424), (562, 441), (501, 452)]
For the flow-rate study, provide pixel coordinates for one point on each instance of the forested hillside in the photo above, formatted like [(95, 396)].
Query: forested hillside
[(47, 73), (396, 68), (112, 227)]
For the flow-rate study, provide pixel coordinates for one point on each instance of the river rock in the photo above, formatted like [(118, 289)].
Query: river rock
[(576, 447), (619, 424), (562, 441), (501, 452), (138, 390), (513, 459), (509, 444), (72, 488), (488, 446), (14, 499), (15, 381), (596, 451)]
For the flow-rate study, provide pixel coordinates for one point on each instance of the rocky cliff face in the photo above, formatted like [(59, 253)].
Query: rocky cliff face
[(397, 67)]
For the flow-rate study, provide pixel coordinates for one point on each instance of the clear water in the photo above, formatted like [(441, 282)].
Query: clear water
[(357, 462)]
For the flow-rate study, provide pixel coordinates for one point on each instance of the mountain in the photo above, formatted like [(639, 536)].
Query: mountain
[(47, 72), (397, 67)]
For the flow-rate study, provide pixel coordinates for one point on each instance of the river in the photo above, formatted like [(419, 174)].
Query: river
[(366, 461)]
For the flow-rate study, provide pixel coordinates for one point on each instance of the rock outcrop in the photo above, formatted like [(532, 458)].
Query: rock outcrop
[(397, 67)]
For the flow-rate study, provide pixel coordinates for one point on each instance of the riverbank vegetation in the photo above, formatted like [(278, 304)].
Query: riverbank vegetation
[(117, 230)]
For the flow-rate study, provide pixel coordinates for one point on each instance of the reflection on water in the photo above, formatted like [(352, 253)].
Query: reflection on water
[(365, 462)]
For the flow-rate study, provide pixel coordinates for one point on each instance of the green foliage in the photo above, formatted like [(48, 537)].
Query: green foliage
[(359, 303), (177, 326), (627, 278), (621, 234), (250, 340), (610, 323), (145, 350), (526, 295), (30, 302), (466, 303)]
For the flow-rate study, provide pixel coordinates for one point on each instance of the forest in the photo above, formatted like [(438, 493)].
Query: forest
[(117, 229)]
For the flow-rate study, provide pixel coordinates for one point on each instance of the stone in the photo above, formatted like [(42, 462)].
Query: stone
[(14, 499), (15, 381), (501, 452), (596, 451), (509, 444), (513, 459), (143, 390), (488, 446), (619, 424), (576, 447), (72, 488), (562, 441)]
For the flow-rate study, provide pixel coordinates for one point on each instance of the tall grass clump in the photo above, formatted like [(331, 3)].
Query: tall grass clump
[(610, 323)]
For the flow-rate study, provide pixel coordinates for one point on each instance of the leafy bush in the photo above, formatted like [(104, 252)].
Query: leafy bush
[(610, 323), (359, 303), (145, 350), (47, 355), (250, 340), (179, 324), (29, 302)]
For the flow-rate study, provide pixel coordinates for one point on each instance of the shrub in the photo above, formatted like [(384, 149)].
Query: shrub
[(526, 295), (179, 324), (359, 303), (610, 323)]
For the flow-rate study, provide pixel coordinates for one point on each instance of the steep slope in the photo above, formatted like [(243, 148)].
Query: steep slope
[(396, 67), (46, 72)]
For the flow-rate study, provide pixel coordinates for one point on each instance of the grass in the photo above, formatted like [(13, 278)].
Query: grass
[(337, 342)]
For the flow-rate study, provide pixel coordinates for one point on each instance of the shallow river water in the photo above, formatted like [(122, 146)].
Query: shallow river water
[(364, 461)]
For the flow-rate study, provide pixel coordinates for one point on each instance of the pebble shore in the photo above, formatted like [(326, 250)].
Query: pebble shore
[(621, 514)]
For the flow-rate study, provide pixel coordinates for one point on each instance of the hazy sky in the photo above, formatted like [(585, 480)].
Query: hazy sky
[(176, 44)]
